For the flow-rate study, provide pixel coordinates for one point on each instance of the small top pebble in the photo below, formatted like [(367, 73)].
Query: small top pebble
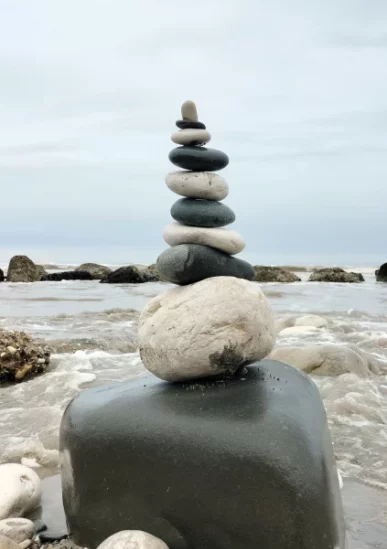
[(189, 111)]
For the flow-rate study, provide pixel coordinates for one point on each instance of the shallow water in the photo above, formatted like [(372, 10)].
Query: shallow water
[(92, 328)]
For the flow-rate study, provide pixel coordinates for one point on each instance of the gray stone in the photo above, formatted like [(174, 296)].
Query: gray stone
[(97, 272), (274, 274), (22, 269), (189, 111), (241, 463), (198, 159), (189, 263), (208, 185), (202, 213), (335, 274)]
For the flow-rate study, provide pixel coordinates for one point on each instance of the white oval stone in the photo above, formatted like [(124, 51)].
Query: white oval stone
[(189, 111), (205, 329), (132, 539), (17, 529), (207, 185), (20, 490), (191, 136), (229, 242)]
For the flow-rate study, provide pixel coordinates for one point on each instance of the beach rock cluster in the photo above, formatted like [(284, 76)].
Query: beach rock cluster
[(335, 274), (97, 272), (21, 357), (200, 246)]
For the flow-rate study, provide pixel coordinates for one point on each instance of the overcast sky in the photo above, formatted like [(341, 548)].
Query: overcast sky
[(295, 92)]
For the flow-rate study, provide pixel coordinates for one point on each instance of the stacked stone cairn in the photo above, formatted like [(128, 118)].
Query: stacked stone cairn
[(201, 247), (236, 451)]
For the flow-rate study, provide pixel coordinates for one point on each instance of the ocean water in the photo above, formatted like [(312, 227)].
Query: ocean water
[(92, 328)]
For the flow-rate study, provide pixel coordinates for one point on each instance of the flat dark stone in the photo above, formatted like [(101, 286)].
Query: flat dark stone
[(202, 213), (186, 124), (244, 463), (48, 536), (188, 263), (198, 159), (67, 275)]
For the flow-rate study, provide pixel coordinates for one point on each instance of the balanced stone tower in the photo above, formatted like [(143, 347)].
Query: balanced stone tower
[(234, 452), (200, 247)]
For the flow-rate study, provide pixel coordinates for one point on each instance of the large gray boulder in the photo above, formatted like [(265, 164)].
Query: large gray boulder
[(22, 269), (335, 274), (97, 272), (274, 274), (235, 463)]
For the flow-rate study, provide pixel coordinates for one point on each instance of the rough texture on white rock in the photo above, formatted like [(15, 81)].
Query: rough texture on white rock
[(206, 329), (206, 185), (132, 539), (7, 543), (17, 529), (189, 111), (328, 360), (191, 137), (229, 242), (20, 490)]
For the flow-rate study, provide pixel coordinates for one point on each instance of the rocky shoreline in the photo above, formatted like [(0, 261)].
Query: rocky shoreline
[(22, 269)]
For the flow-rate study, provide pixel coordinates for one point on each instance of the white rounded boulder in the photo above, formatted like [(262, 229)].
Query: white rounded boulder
[(132, 539), (191, 136), (206, 329), (8, 543), (207, 185), (20, 490), (229, 242)]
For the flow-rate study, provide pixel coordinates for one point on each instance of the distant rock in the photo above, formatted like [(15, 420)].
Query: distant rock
[(40, 272), (1, 276), (328, 360), (381, 273), (20, 490), (20, 357), (335, 274), (132, 275), (274, 274), (22, 269), (98, 272), (67, 275)]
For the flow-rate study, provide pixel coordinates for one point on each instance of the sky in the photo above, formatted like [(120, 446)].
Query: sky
[(294, 92)]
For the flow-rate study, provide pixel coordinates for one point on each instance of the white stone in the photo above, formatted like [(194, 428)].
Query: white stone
[(327, 360), (7, 543), (229, 242), (132, 539), (189, 111), (191, 136), (20, 490), (311, 320), (205, 329), (24, 544), (207, 185), (17, 529)]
